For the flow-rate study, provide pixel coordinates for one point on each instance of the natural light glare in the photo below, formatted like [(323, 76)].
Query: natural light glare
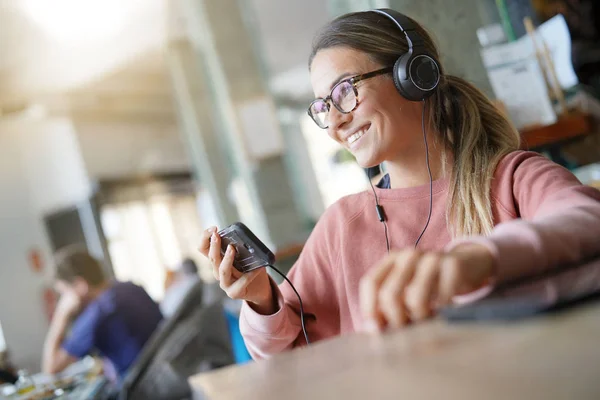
[(76, 21), (2, 341), (145, 238), (335, 180), (163, 226)]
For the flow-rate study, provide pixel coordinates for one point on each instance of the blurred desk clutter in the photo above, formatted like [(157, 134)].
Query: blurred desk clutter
[(83, 380), (535, 84), (527, 74)]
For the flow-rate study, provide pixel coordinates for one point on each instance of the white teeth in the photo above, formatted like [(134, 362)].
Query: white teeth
[(356, 136)]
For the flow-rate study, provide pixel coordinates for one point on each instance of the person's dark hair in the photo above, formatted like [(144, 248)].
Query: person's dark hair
[(188, 267), (370, 33), (73, 262), (474, 130)]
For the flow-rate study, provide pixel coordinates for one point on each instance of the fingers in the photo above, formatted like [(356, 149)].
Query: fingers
[(422, 291), (205, 240), (392, 294), (369, 289), (450, 279), (214, 254), (210, 247), (405, 287), (237, 285), (227, 274), (239, 288), (381, 290)]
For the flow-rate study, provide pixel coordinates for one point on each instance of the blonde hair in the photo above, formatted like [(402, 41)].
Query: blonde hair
[(475, 131)]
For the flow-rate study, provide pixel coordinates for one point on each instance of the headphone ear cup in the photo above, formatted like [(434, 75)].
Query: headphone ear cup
[(402, 79), (400, 75)]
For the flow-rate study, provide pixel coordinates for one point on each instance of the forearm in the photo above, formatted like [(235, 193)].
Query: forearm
[(266, 335), (268, 304), (523, 248), (269, 330), (557, 219), (56, 334)]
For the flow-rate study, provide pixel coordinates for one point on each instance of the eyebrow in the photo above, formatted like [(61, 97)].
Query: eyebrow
[(340, 78)]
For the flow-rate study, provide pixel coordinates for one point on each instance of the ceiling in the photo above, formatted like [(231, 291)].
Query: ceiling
[(125, 71)]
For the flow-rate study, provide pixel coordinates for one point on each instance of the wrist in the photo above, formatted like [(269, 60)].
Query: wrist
[(480, 255), (265, 304)]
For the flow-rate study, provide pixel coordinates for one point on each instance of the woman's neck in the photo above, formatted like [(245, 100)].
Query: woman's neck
[(411, 170)]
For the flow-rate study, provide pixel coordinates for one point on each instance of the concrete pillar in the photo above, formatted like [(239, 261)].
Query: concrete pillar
[(199, 128), (339, 7), (454, 27), (243, 116), (303, 177), (452, 23)]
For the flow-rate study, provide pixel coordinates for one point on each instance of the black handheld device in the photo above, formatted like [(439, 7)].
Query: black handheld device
[(250, 252)]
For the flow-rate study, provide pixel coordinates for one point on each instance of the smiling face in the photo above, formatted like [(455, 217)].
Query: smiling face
[(383, 126)]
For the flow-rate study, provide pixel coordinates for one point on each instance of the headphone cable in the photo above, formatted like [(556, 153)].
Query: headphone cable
[(380, 213), (299, 300), (430, 176)]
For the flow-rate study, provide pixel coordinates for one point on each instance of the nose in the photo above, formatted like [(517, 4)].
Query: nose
[(337, 120)]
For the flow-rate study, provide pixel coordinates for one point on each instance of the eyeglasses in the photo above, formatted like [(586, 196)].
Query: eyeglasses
[(344, 97)]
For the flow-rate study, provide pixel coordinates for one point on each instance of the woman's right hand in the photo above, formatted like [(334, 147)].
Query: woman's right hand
[(253, 287)]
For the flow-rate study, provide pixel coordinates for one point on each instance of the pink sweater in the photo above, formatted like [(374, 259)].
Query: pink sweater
[(544, 217)]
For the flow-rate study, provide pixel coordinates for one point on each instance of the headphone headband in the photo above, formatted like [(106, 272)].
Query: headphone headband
[(416, 73), (405, 25), (403, 22)]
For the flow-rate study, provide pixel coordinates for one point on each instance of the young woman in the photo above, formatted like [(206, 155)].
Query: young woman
[(492, 213)]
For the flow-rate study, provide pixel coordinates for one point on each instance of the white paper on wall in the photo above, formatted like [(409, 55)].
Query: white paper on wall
[(518, 80), (555, 34), (522, 89), (260, 129)]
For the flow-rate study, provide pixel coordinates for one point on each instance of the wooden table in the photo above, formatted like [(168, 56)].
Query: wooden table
[(570, 126), (552, 357)]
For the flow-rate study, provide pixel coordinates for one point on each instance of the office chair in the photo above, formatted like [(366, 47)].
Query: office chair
[(194, 340)]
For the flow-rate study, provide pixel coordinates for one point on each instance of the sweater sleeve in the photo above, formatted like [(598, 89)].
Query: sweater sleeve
[(312, 277), (558, 218)]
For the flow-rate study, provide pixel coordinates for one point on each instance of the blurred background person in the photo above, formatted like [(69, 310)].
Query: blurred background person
[(182, 281), (95, 314)]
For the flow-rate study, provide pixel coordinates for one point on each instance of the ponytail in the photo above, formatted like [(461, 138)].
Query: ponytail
[(479, 136)]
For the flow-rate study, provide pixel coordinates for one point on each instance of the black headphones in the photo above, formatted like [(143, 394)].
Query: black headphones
[(416, 73)]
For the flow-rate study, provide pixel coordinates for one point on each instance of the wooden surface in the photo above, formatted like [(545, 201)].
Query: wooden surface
[(567, 127), (551, 357), (293, 250)]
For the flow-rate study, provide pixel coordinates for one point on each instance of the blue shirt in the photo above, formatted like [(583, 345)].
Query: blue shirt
[(385, 182), (117, 324)]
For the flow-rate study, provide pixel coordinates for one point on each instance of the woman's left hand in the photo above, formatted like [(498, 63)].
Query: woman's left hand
[(410, 285)]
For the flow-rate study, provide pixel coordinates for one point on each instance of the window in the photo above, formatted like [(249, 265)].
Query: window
[(147, 238)]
